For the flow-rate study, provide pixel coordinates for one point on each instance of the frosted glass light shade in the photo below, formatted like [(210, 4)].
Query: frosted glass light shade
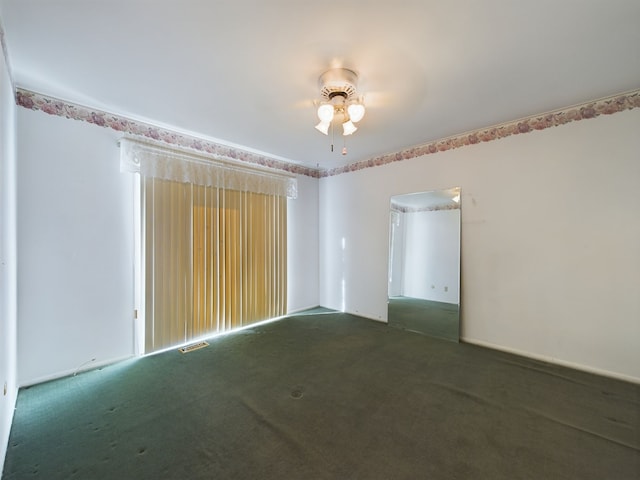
[(325, 113), (348, 128), (323, 127), (356, 112)]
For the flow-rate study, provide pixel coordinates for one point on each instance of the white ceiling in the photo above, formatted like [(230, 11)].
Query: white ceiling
[(244, 72)]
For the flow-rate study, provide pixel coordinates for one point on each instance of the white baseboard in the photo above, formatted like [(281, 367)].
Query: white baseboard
[(553, 360), (12, 395), (90, 365)]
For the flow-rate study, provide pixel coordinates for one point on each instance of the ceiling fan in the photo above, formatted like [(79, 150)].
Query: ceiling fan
[(340, 102)]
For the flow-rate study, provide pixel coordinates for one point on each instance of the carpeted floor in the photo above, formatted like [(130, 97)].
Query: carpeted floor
[(328, 396)]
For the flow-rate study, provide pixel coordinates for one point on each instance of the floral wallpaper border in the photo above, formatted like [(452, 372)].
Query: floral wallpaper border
[(61, 108), (605, 106), (53, 106)]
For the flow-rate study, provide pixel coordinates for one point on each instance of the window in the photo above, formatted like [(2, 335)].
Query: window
[(213, 257)]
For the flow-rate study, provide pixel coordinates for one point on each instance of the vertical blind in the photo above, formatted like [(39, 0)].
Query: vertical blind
[(214, 258)]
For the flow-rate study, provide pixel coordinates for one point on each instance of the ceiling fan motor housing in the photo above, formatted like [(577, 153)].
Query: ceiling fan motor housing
[(338, 82)]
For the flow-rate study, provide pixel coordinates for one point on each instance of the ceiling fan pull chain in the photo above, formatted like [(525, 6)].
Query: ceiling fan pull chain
[(332, 137)]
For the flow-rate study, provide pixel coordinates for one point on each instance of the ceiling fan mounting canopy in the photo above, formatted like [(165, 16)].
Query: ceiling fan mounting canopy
[(338, 81)]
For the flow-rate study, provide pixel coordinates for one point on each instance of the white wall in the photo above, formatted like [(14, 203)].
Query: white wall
[(354, 241), (432, 255), (302, 247), (549, 242), (75, 256), (75, 232), (8, 298), (550, 262)]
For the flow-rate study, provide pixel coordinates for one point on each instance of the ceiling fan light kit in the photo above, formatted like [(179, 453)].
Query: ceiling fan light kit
[(339, 96)]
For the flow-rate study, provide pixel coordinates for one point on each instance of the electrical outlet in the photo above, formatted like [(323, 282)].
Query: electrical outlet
[(5, 389), (446, 289)]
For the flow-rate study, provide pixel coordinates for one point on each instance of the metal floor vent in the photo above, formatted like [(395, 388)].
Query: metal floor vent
[(193, 346)]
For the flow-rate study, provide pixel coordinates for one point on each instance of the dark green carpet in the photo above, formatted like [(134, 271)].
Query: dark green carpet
[(328, 397), (437, 319)]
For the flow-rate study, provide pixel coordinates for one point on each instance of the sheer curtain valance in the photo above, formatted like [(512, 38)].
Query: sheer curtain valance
[(186, 167)]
